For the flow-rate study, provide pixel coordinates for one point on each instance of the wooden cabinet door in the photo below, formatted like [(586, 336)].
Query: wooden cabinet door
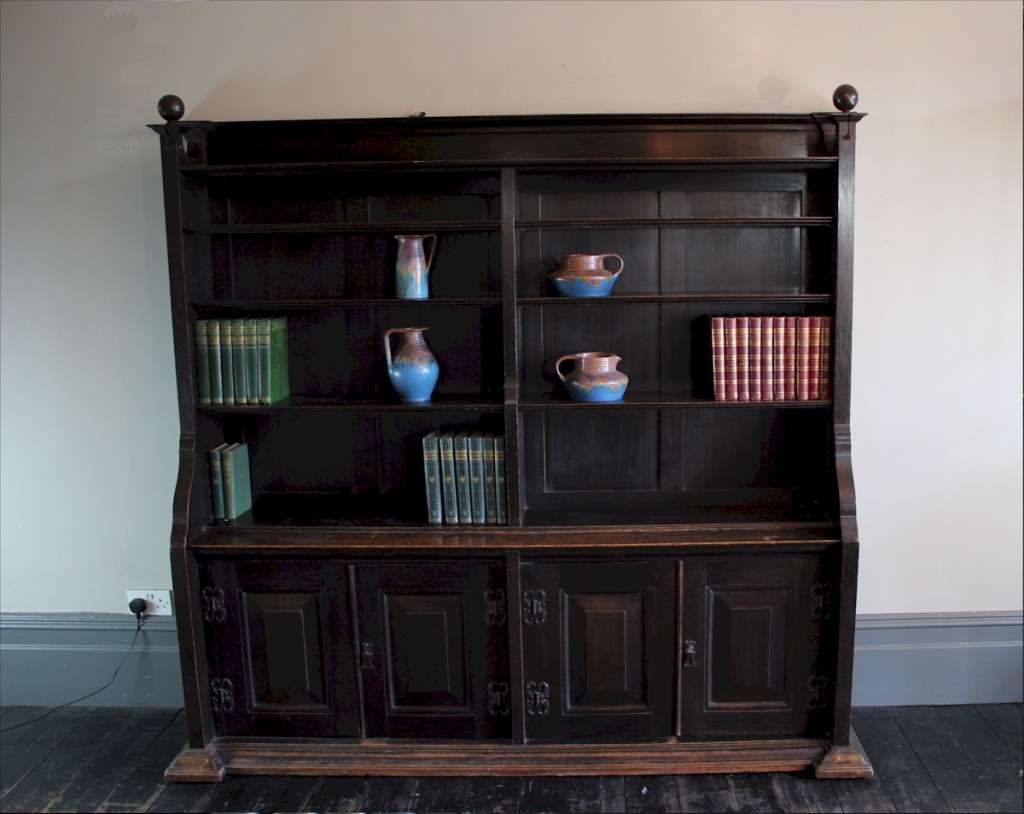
[(434, 650), (598, 650), (753, 654), (280, 648)]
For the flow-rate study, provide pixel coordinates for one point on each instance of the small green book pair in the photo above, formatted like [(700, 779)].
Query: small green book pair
[(230, 481), (465, 478), (242, 361)]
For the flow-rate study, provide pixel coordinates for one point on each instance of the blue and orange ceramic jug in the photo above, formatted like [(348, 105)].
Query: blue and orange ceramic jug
[(584, 275), (412, 369), (595, 377), (412, 267)]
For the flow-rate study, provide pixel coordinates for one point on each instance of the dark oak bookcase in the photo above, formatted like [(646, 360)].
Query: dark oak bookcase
[(675, 589)]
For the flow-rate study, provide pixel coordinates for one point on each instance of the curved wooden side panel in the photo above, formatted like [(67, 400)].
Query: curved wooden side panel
[(844, 482)]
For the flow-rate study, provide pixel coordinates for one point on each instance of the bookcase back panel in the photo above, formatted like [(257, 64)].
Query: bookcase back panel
[(665, 347), (669, 465), (317, 265), (339, 353), (354, 198)]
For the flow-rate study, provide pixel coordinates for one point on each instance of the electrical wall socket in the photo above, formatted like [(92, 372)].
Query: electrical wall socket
[(158, 603)]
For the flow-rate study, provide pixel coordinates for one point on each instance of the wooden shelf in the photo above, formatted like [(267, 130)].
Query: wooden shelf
[(399, 227), (308, 404), (616, 223), (326, 303), (655, 401), (718, 296)]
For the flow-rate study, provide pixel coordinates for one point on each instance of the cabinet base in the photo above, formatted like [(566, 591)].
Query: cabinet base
[(845, 762), (292, 756)]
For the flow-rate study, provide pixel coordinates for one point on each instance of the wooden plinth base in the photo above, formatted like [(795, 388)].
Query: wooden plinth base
[(403, 758)]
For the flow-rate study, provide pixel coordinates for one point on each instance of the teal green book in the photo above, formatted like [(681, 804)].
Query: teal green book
[(227, 360), (216, 385), (476, 478), (499, 480), (490, 496), (448, 493), (252, 376), (432, 477), (263, 358), (237, 483), (202, 347), (461, 442), (217, 482), (238, 360), (275, 387)]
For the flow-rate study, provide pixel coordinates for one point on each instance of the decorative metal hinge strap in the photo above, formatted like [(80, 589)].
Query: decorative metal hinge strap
[(222, 695), (821, 601), (212, 600), (689, 653), (535, 610), (817, 691), (497, 607), (538, 698), (366, 655), (498, 698)]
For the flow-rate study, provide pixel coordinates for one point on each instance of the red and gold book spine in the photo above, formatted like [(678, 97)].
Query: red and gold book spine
[(731, 381), (718, 356), (743, 358), (789, 358), (803, 359), (825, 365), (779, 341), (767, 360), (754, 358), (814, 359)]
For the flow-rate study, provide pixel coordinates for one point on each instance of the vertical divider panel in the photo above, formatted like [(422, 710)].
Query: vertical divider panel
[(510, 324), (513, 584)]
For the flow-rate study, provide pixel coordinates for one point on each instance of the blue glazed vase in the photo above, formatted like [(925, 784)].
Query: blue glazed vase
[(584, 275), (595, 377), (412, 266), (412, 369)]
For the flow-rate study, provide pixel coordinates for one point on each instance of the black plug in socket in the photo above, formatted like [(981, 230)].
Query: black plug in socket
[(138, 607)]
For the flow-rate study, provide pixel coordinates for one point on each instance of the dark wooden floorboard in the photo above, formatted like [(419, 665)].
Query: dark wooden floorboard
[(1007, 721), (968, 762), (900, 774), (937, 759), (653, 793)]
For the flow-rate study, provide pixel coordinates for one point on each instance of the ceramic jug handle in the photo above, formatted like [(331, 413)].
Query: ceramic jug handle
[(387, 344), (622, 263), (558, 364), (433, 249)]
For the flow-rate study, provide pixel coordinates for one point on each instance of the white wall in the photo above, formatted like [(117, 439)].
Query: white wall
[(89, 428)]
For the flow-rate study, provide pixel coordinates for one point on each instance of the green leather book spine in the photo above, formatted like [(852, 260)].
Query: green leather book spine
[(202, 348), (238, 360), (227, 468), (216, 385), (227, 360), (476, 477), (499, 480), (279, 388), (263, 358), (252, 376), (490, 496), (217, 482), (448, 493), (432, 477), (461, 442)]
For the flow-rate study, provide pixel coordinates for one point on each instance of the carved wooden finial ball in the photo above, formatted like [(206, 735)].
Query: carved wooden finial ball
[(170, 107), (845, 98)]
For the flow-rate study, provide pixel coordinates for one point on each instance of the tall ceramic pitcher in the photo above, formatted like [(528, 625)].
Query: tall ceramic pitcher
[(412, 268)]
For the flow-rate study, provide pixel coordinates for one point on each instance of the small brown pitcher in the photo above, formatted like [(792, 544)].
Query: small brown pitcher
[(595, 377), (584, 275)]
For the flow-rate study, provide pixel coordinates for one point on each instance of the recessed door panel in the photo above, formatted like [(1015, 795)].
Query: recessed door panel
[(434, 650), (598, 644), (753, 662)]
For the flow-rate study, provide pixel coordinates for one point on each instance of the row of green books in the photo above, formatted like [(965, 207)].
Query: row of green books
[(242, 361), (465, 478), (230, 481)]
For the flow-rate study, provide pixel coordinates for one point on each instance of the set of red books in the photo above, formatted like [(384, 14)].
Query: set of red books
[(772, 358)]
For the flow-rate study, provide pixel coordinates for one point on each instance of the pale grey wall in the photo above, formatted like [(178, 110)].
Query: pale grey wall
[(88, 409)]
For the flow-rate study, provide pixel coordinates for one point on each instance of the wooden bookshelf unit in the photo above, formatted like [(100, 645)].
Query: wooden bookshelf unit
[(675, 589)]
